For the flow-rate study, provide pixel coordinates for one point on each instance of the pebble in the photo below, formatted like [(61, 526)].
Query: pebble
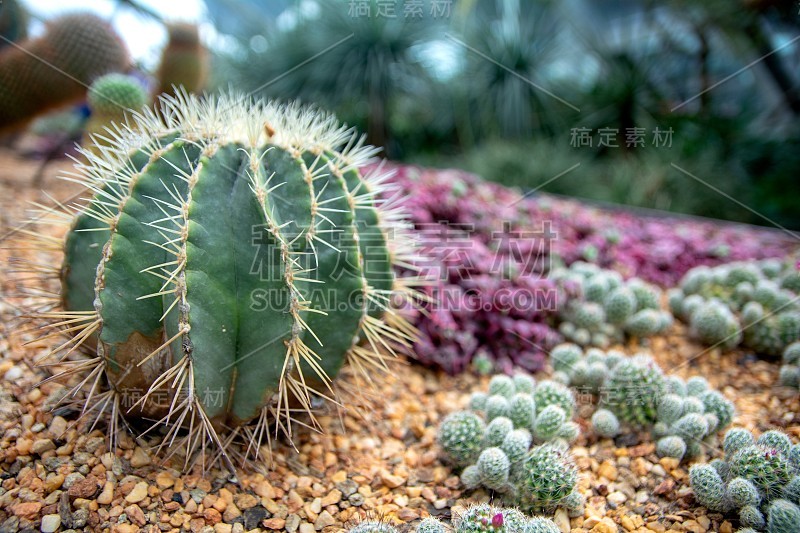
[(138, 493), (324, 520), (51, 523), (27, 510), (140, 458), (13, 374), (41, 446), (107, 495)]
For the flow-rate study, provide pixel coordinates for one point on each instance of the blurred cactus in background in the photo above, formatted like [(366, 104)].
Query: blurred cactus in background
[(57, 68), (184, 61), (13, 22), (111, 99)]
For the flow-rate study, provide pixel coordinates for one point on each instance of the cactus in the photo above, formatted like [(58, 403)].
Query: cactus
[(784, 517), (620, 305), (430, 525), (497, 429), (564, 356), (481, 518), (715, 403), (461, 436), (775, 439), (791, 491), (736, 439), (373, 526), (502, 385), (522, 410), (671, 446), (546, 477), (766, 468), (516, 444), (548, 422), (13, 22), (184, 61), (497, 406), (55, 69), (751, 516), (172, 279), (634, 389), (111, 98), (670, 409), (645, 323), (708, 487), (741, 492), (539, 524), (605, 423), (551, 393), (493, 466)]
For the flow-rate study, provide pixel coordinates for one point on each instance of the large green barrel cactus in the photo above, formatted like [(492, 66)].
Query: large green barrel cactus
[(56, 69), (232, 260)]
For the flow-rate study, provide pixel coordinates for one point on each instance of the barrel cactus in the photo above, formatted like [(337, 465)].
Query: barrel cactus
[(111, 99), (55, 69), (184, 60), (232, 260)]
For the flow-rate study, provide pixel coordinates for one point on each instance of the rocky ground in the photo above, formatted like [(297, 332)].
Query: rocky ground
[(378, 459)]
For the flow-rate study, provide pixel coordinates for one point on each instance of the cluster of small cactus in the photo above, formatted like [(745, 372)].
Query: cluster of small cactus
[(598, 307), (477, 518), (189, 272), (111, 99), (55, 69), (790, 370), (759, 479), (749, 303), (501, 453), (635, 391)]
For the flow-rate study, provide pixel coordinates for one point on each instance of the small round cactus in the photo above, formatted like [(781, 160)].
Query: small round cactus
[(742, 492), (548, 422), (431, 525), (751, 516), (480, 518), (715, 403), (564, 356), (497, 429), (691, 427), (516, 444), (670, 408), (708, 487), (620, 305), (634, 389), (791, 491), (765, 467), (522, 410), (471, 477), (605, 423), (547, 477), (671, 446), (373, 526), (493, 465), (540, 524), (696, 386), (552, 393), (502, 385), (775, 439), (461, 436), (736, 439), (783, 517), (644, 323), (497, 405), (477, 401), (523, 383)]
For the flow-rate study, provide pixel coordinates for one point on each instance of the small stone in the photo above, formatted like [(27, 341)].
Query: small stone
[(223, 528), (253, 517), (660, 528), (212, 516), (83, 488), (332, 498), (608, 471), (305, 527), (562, 520), (80, 518), (390, 480), (324, 520), (107, 496), (617, 498), (138, 493), (136, 515), (292, 523), (231, 513), (726, 527), (13, 374), (140, 458), (27, 510), (627, 523), (51, 523), (606, 525), (41, 446), (245, 501), (274, 523)]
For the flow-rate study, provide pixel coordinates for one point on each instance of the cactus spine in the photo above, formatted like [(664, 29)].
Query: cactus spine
[(55, 69), (209, 234)]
